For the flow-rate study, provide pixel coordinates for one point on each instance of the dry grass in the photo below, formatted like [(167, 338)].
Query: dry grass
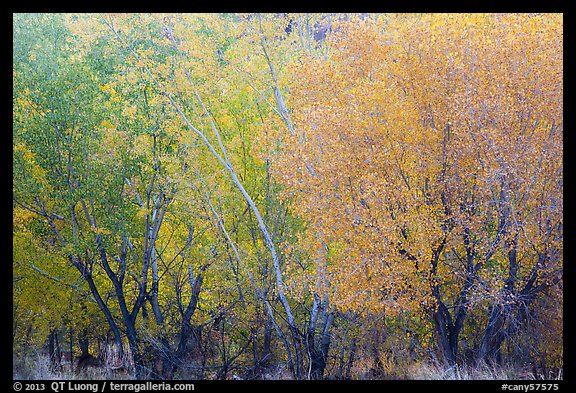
[(281, 372), (403, 368), (38, 367), (424, 371)]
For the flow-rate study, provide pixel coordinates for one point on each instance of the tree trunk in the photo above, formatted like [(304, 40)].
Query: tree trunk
[(318, 356), (101, 304), (325, 340), (84, 343), (313, 354), (186, 328), (340, 373), (351, 357), (493, 337), (443, 324), (266, 350), (495, 334), (54, 351), (377, 366)]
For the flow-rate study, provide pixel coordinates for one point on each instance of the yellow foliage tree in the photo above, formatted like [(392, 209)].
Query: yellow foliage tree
[(428, 159)]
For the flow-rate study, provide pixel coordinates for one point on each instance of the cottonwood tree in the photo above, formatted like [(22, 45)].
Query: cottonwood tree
[(233, 190), (99, 162), (425, 160)]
